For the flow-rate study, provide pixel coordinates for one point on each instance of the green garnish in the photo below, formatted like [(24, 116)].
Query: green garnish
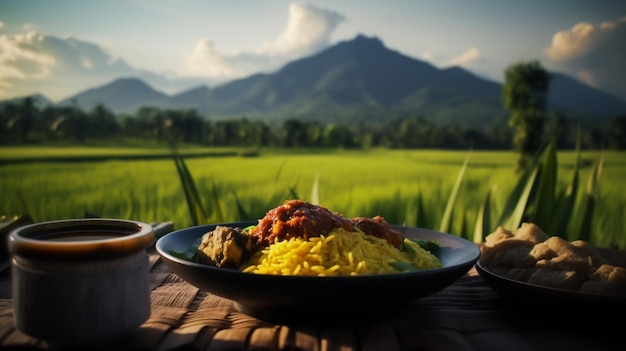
[(403, 267), (428, 245), (191, 254), (184, 255)]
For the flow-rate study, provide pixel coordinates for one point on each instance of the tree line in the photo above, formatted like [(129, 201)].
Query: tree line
[(524, 95), (25, 123)]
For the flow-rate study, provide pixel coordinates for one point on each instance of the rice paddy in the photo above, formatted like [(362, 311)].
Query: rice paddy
[(405, 186)]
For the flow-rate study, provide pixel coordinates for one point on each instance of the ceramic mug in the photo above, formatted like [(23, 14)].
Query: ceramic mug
[(80, 281)]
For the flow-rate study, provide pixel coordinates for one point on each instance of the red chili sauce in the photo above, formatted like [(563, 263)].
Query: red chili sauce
[(379, 228), (296, 218)]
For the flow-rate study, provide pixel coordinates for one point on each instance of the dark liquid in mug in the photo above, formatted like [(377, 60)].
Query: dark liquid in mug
[(82, 236)]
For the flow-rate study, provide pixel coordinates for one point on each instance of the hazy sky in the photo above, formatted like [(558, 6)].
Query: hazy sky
[(61, 47)]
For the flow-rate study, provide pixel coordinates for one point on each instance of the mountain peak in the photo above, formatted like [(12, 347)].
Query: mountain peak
[(130, 81), (119, 95), (362, 38), (363, 43)]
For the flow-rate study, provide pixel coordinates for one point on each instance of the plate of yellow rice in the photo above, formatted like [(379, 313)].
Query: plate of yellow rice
[(337, 276)]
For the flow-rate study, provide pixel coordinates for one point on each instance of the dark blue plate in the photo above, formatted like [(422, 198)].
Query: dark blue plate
[(305, 298), (527, 297)]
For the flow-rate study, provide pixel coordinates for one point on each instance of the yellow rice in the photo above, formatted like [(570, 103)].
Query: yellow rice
[(338, 253)]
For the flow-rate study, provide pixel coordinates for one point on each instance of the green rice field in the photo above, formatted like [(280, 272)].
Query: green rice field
[(143, 184)]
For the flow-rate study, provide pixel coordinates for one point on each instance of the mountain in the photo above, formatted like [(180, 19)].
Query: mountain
[(357, 79), (193, 97), (351, 81), (569, 94), (123, 95), (361, 78)]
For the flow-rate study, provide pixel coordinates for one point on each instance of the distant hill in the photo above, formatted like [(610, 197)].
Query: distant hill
[(357, 79), (570, 95), (123, 95), (354, 80)]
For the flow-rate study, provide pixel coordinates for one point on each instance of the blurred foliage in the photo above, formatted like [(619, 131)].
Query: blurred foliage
[(525, 94), (27, 123)]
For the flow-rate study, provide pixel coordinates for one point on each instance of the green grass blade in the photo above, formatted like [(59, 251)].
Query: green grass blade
[(514, 220), (512, 206), (218, 213), (241, 211), (446, 220), (315, 192), (483, 221), (192, 196), (421, 219), (274, 196), (567, 199), (279, 171), (292, 192), (544, 198), (590, 200)]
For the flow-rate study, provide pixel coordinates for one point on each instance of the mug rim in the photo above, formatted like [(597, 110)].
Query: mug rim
[(135, 236)]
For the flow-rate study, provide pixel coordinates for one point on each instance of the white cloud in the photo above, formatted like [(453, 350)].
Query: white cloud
[(470, 55), (596, 54), (571, 43), (307, 31), (1, 24), (21, 57), (60, 67), (205, 61), (35, 63), (21, 60)]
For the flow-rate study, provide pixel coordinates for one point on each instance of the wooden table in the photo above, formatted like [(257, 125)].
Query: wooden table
[(468, 315)]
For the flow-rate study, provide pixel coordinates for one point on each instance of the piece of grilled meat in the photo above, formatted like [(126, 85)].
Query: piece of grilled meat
[(226, 247)]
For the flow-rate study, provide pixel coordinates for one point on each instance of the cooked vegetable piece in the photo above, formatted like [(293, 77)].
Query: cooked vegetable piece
[(404, 267), (428, 245), (225, 247), (191, 254)]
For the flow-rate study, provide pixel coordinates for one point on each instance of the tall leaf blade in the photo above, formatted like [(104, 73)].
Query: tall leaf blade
[(421, 219), (218, 213), (279, 171), (241, 211), (545, 195), (446, 220), (192, 196), (519, 191), (293, 193), (565, 207), (515, 218), (590, 199), (483, 221)]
